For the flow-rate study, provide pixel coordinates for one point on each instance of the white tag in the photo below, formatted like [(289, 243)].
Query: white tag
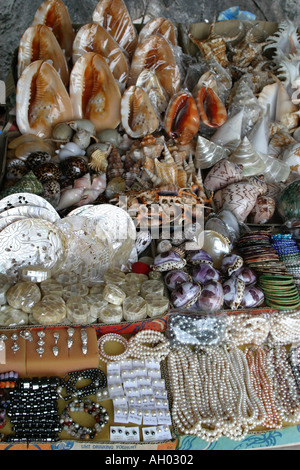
[(141, 372), (120, 401), (125, 364), (163, 433), (138, 363), (115, 390), (132, 392), (117, 433), (146, 390), (152, 363), (128, 374), (130, 383), (113, 379), (164, 417), (158, 383), (121, 415), (161, 403), (160, 393), (135, 416), (113, 368), (132, 434), (154, 373), (143, 381), (149, 434), (150, 418)]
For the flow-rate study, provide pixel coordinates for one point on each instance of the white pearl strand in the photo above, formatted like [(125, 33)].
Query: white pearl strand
[(285, 386), (212, 393), (284, 327), (149, 344), (247, 329)]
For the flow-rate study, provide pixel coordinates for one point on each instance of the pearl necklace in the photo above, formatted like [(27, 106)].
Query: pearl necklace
[(247, 329), (285, 386), (112, 337), (285, 327), (148, 344), (212, 394)]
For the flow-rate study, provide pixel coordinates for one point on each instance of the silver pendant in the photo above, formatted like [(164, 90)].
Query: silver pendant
[(40, 351), (55, 351)]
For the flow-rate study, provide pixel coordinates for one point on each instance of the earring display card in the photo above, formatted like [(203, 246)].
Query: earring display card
[(15, 352)]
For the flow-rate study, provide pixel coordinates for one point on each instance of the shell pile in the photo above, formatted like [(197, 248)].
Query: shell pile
[(109, 109)]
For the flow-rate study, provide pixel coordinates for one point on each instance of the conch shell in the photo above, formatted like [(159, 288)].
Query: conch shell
[(157, 95), (222, 174), (94, 92), (137, 113), (208, 153), (39, 43), (167, 170), (161, 26), (55, 15), (94, 38), (155, 53), (248, 158), (41, 100), (211, 109), (182, 118), (114, 17)]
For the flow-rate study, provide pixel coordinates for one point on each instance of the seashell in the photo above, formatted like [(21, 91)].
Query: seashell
[(115, 167), (222, 174), (198, 257), (70, 149), (98, 160), (155, 53), (246, 274), (212, 46), (88, 197), (161, 26), (163, 245), (82, 138), (263, 210), (231, 263), (149, 81), (143, 240), (73, 168), (47, 171), (83, 125), (93, 37), (62, 132), (182, 120), (186, 295), (208, 153), (175, 278), (69, 198), (15, 169), (110, 137), (28, 184), (211, 299), (211, 109), (243, 99), (285, 40), (204, 273), (253, 297), (84, 181), (238, 198), (131, 175), (291, 156), (259, 135), (36, 159), (275, 100), (51, 191), (39, 43), (230, 131), (167, 171), (41, 100), (246, 157), (23, 139), (233, 289), (167, 261), (137, 113), (99, 183), (288, 202), (24, 150), (279, 141), (114, 187), (55, 15), (94, 92), (114, 17)]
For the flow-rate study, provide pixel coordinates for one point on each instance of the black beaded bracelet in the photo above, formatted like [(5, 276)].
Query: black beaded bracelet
[(69, 382)]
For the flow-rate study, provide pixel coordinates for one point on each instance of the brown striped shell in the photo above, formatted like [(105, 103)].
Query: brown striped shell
[(137, 113), (39, 43), (114, 17), (55, 15), (41, 100), (93, 37), (182, 118), (161, 26), (94, 92)]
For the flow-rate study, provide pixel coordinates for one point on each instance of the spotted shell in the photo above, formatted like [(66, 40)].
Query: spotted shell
[(94, 92), (182, 118), (234, 289), (253, 297), (231, 263), (175, 278), (199, 256), (36, 159), (73, 168), (137, 113), (47, 171), (186, 295), (167, 261), (246, 274)]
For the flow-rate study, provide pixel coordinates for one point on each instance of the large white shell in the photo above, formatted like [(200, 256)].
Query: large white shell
[(250, 160), (231, 131), (208, 153)]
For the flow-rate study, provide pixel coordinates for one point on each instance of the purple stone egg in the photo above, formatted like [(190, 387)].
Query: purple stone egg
[(246, 274), (204, 273), (199, 256), (185, 295), (253, 297), (175, 278), (234, 289), (168, 260), (231, 263), (212, 297)]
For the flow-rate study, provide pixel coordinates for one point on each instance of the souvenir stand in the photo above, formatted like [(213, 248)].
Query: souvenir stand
[(149, 234)]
